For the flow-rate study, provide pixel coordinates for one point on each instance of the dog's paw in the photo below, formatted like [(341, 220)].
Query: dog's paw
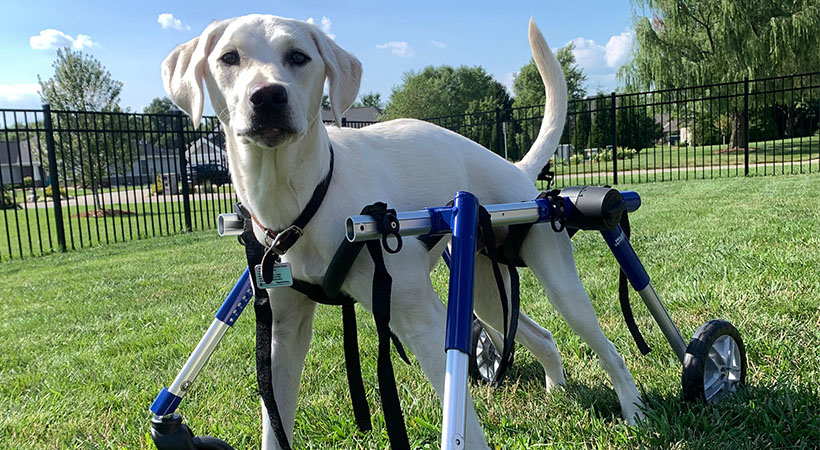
[(556, 381), (634, 414)]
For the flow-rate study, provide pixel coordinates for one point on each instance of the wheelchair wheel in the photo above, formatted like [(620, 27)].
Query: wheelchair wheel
[(715, 363)]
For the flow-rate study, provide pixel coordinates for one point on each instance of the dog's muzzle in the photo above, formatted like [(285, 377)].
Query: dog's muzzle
[(270, 122)]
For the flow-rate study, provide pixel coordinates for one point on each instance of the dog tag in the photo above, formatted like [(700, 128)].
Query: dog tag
[(282, 276)]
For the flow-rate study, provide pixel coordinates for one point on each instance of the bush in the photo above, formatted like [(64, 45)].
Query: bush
[(28, 182), (7, 199), (606, 155), (157, 187), (626, 153), (576, 159), (207, 187), (48, 192)]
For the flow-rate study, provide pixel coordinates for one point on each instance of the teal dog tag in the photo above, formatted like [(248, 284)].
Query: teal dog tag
[(282, 276)]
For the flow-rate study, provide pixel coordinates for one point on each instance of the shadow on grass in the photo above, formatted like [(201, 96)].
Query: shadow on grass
[(777, 415)]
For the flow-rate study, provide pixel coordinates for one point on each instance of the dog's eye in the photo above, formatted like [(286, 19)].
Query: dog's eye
[(298, 58), (230, 58)]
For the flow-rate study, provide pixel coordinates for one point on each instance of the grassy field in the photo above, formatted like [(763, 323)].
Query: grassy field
[(781, 151), (89, 337), (32, 231)]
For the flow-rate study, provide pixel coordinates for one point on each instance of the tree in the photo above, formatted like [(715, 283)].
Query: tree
[(690, 42), (370, 99), (445, 91), (529, 89), (80, 83), (161, 105), (79, 88)]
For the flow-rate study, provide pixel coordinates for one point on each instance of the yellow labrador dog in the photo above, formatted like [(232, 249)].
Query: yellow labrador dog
[(265, 76)]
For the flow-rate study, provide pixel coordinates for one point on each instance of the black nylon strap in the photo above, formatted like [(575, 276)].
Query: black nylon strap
[(264, 323), (353, 367), (623, 298), (509, 317), (382, 289)]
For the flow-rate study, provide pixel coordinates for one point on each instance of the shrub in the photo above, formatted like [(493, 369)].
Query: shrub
[(576, 159), (626, 153), (28, 182), (48, 192), (7, 199), (157, 187)]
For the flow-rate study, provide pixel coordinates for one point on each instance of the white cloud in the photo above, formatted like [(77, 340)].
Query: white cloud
[(594, 57), (168, 21), (17, 92), (437, 44), (618, 47), (52, 39), (401, 49), (326, 24)]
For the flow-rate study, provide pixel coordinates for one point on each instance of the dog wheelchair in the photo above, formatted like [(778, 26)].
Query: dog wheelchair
[(713, 362)]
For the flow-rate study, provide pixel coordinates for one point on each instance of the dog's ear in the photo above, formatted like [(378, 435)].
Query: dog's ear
[(343, 72), (184, 68)]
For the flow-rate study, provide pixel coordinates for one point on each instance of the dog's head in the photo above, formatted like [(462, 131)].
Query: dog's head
[(265, 76)]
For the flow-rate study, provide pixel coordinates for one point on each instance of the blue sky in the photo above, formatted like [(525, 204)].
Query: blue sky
[(131, 38)]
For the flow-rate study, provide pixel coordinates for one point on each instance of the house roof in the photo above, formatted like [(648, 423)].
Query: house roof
[(355, 114)]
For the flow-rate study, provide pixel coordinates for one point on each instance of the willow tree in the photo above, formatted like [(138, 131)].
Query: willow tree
[(686, 42)]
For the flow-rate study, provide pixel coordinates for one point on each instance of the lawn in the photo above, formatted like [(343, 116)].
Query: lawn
[(32, 231), (90, 336), (699, 161)]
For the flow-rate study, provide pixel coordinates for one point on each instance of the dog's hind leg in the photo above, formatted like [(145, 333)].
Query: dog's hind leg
[(536, 339), (292, 332), (549, 255)]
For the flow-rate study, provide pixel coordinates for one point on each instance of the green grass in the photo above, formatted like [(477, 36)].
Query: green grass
[(89, 337), (781, 151), (32, 231)]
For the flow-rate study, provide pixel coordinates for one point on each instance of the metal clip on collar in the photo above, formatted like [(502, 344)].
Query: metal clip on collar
[(284, 240)]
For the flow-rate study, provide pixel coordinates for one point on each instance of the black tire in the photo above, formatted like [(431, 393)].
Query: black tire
[(211, 443), (484, 357), (716, 352)]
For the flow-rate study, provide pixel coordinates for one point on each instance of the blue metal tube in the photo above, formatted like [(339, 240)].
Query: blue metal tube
[(236, 301), (462, 272), (626, 256), (632, 200)]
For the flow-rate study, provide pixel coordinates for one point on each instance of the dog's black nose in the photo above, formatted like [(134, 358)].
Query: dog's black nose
[(265, 96)]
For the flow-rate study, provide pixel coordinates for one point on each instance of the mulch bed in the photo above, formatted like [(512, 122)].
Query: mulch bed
[(104, 213)]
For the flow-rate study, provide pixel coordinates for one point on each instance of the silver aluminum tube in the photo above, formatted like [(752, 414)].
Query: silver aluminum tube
[(198, 358), (231, 224), (455, 401), (414, 223), (670, 330)]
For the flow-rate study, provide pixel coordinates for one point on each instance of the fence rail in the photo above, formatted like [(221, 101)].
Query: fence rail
[(74, 179)]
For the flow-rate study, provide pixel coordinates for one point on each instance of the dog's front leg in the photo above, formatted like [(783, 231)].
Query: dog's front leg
[(292, 332), (418, 319)]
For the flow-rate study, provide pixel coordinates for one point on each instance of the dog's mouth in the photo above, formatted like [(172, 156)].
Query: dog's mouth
[(266, 136)]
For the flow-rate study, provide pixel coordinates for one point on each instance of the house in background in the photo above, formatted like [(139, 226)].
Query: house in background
[(356, 117), (16, 163), (208, 149), (152, 160)]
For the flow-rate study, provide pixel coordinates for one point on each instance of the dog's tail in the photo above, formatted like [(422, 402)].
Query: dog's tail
[(555, 110)]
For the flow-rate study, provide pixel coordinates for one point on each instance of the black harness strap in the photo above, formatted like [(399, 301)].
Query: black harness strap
[(254, 253), (623, 298), (382, 291), (509, 312)]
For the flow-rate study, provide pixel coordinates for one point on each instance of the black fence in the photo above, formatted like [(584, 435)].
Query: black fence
[(751, 127), (72, 179)]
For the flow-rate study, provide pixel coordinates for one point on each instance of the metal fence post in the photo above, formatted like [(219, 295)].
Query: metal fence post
[(614, 140), (183, 167), (54, 178), (746, 126), (498, 131)]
